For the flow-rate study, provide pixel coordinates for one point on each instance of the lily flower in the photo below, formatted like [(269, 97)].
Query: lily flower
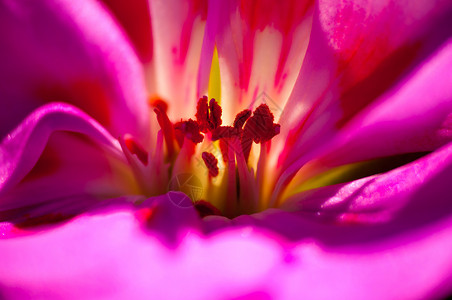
[(206, 149)]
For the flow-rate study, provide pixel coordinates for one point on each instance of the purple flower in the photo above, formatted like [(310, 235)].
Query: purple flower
[(321, 171)]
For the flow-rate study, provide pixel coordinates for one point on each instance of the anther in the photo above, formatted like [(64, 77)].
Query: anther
[(215, 114), (241, 118), (260, 126), (211, 163), (190, 129), (208, 115)]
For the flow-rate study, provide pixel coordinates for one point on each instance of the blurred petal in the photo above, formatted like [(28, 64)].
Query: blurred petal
[(72, 51), (414, 116), (85, 258), (344, 73), (112, 255), (420, 186), (360, 262), (178, 30), (261, 45), (40, 163), (133, 17)]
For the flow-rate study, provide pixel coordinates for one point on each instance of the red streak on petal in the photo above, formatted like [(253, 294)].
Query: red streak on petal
[(211, 163), (145, 214), (196, 8), (380, 80), (87, 94), (135, 20), (136, 149)]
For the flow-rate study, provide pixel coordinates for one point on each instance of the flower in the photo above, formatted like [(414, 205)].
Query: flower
[(350, 194)]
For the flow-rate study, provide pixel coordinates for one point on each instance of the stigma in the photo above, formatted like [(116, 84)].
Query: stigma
[(217, 155)]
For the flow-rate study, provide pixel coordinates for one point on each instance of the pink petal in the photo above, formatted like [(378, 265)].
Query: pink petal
[(62, 50), (134, 18), (344, 73), (112, 255), (261, 45), (413, 116), (177, 30), (415, 192), (58, 153)]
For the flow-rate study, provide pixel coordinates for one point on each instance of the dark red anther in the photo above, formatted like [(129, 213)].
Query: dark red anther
[(136, 149), (222, 132), (208, 115), (241, 118), (260, 126), (205, 209), (202, 114), (211, 163), (215, 114), (190, 129)]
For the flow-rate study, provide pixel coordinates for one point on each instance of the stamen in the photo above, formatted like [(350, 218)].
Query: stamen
[(241, 118), (190, 130), (167, 128), (159, 104), (223, 132), (207, 115), (202, 114), (211, 163), (215, 114), (136, 149), (260, 126), (243, 187)]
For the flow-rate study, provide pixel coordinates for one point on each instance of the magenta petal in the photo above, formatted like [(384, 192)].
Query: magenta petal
[(413, 117), (135, 20), (414, 193), (401, 121), (109, 255), (344, 73), (74, 165), (112, 255), (72, 51)]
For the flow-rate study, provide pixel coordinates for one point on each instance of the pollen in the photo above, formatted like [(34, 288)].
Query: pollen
[(211, 163)]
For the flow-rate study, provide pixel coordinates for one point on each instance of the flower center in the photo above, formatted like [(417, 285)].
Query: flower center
[(206, 160)]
